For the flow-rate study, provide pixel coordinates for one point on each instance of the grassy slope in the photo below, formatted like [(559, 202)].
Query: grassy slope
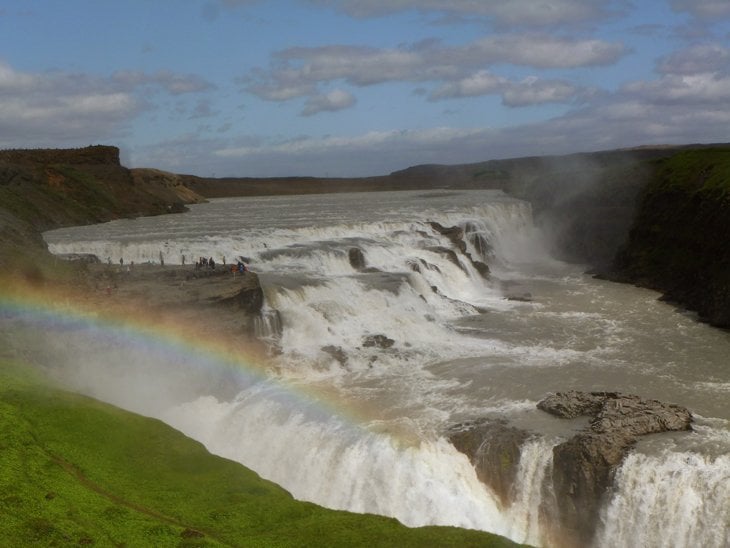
[(76, 471)]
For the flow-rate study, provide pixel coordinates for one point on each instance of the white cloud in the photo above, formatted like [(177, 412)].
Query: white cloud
[(696, 59), (529, 91), (533, 91), (333, 101), (544, 51), (460, 70), (481, 82), (512, 12), (689, 89), (61, 108)]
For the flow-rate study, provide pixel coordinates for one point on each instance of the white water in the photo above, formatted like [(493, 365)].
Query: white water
[(460, 352)]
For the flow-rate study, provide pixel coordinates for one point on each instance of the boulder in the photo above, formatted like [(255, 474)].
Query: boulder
[(585, 464), (336, 352), (357, 258), (493, 447), (454, 233), (449, 254), (380, 341)]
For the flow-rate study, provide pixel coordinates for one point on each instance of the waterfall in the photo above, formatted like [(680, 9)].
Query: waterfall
[(408, 336), (671, 499)]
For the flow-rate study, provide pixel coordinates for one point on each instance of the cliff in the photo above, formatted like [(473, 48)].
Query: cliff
[(678, 241), (44, 189)]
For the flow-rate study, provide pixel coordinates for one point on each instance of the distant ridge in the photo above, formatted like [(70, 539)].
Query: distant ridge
[(91, 155)]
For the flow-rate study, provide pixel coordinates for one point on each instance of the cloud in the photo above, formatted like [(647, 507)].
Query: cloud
[(696, 59), (333, 101), (173, 83), (529, 91), (300, 71), (63, 108), (533, 91), (709, 88), (702, 9), (696, 75), (515, 13), (202, 109)]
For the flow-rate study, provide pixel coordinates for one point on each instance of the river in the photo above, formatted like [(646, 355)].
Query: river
[(393, 353)]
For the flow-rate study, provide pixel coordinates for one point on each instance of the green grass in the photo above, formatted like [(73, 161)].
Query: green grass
[(701, 170), (79, 472)]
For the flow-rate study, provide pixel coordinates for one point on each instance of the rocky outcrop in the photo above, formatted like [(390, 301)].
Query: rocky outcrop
[(249, 296), (584, 465), (377, 341), (356, 258), (455, 234), (493, 447)]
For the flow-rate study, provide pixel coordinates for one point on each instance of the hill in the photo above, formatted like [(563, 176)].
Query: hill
[(48, 188), (79, 472)]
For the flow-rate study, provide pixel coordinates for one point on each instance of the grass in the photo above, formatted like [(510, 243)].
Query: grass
[(701, 170), (76, 471)]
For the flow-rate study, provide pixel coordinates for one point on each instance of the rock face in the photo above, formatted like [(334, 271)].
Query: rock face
[(678, 244), (584, 465), (455, 234), (378, 341), (493, 447), (250, 297), (356, 258)]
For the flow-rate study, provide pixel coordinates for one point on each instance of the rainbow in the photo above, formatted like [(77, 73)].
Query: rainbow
[(56, 308)]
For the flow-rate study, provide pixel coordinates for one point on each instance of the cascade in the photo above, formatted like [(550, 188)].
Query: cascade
[(409, 337)]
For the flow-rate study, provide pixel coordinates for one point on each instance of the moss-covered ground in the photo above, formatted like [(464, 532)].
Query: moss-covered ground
[(702, 170), (76, 471)]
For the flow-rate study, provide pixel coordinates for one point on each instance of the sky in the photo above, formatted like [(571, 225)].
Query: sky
[(349, 88)]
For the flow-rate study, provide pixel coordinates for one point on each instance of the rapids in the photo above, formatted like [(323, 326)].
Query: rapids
[(369, 435)]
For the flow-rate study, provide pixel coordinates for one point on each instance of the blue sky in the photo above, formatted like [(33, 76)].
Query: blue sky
[(360, 87)]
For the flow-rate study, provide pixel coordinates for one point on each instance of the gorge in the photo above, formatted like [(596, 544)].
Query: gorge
[(418, 338)]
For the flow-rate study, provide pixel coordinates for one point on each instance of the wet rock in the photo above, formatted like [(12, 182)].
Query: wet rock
[(449, 254), (493, 447), (248, 296), (478, 241), (454, 233), (482, 268), (418, 265), (572, 404), (356, 258), (584, 465), (336, 352), (380, 341)]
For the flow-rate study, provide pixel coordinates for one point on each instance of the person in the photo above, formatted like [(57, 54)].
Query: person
[(121, 261), (183, 260), (211, 263)]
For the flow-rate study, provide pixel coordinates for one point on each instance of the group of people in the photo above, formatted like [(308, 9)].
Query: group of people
[(206, 263), (210, 263)]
